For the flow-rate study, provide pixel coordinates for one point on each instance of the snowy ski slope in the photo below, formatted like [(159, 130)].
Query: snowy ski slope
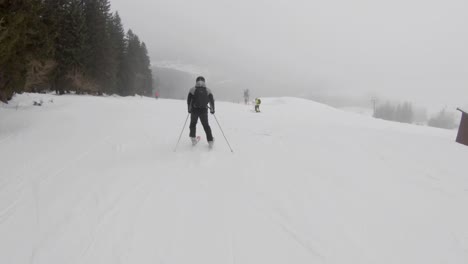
[(95, 180)]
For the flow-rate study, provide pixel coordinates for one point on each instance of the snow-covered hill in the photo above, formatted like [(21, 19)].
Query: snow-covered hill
[(95, 180), (358, 110)]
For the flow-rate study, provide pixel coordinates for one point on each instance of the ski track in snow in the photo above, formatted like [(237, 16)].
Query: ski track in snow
[(95, 180)]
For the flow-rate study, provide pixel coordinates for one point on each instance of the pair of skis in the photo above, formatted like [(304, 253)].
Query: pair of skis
[(197, 139)]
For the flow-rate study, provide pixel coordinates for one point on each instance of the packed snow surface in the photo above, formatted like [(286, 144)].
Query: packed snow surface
[(95, 180)]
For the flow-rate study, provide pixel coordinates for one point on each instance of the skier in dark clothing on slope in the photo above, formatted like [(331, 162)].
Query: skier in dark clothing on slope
[(198, 99)]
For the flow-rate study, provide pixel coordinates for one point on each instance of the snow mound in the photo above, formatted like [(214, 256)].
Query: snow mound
[(95, 180)]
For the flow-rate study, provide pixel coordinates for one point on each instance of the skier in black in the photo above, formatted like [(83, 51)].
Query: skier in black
[(198, 99)]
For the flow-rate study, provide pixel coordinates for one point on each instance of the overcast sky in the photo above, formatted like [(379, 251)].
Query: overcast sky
[(414, 49)]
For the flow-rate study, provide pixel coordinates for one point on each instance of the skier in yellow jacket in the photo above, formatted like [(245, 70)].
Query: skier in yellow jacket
[(257, 104)]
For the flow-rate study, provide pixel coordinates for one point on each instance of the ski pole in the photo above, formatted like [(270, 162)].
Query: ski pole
[(181, 132), (223, 133)]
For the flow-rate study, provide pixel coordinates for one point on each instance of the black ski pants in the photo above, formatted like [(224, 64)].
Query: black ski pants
[(201, 113)]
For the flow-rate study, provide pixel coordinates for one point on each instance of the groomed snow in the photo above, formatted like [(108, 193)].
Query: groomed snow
[(95, 180)]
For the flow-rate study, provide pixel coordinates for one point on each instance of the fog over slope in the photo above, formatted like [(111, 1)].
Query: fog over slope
[(403, 49)]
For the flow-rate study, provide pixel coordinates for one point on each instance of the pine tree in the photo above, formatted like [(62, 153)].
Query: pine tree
[(408, 115), (131, 64), (137, 72), (66, 23), (401, 113), (147, 88), (23, 38), (74, 44), (117, 36), (385, 111), (74, 39), (99, 58)]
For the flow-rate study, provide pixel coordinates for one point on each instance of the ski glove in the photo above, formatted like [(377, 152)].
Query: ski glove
[(212, 111)]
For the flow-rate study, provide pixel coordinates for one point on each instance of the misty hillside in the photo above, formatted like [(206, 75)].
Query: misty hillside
[(172, 83), (95, 180)]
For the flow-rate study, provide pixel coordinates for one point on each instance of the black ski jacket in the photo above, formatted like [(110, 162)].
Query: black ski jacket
[(190, 99)]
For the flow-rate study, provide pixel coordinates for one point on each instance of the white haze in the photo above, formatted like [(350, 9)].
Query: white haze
[(402, 49)]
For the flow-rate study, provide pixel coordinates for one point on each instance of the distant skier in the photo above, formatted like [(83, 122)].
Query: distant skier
[(198, 99), (246, 96), (156, 95), (257, 104)]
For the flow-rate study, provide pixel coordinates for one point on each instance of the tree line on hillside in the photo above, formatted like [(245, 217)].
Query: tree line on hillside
[(406, 113), (69, 45), (401, 113), (443, 119)]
